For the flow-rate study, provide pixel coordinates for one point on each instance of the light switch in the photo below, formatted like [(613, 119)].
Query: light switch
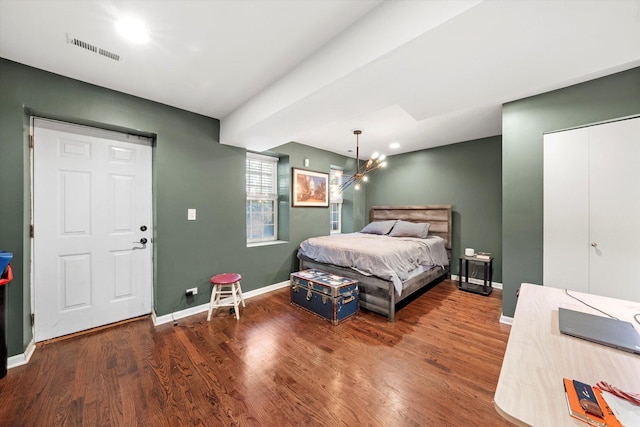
[(191, 214)]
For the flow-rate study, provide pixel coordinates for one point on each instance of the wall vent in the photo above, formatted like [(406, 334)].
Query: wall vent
[(108, 54), (92, 48)]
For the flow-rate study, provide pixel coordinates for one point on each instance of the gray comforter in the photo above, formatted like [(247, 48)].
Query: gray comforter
[(389, 258)]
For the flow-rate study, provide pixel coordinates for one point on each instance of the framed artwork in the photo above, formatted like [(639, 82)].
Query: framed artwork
[(310, 189)]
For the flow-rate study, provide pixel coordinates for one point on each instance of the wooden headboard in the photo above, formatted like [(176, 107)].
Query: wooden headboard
[(439, 216)]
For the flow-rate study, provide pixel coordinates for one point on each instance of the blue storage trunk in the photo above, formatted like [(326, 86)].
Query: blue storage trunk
[(332, 297)]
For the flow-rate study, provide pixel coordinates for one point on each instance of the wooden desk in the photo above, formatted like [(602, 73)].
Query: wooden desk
[(538, 356)]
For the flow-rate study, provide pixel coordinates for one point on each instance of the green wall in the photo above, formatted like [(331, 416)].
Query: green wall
[(467, 176), (190, 170), (523, 124)]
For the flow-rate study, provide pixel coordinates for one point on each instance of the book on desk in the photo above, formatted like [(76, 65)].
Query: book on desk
[(587, 404)]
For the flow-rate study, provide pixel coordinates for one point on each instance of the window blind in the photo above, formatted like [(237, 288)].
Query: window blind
[(261, 176)]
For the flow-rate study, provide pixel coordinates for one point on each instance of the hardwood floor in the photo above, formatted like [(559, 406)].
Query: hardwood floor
[(437, 365)]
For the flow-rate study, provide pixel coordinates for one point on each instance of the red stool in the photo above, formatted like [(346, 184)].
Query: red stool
[(226, 284)]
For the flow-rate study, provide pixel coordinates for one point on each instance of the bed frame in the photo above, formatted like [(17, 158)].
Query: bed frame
[(379, 295)]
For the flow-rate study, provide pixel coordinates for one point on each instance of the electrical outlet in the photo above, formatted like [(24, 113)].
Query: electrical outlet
[(191, 292)]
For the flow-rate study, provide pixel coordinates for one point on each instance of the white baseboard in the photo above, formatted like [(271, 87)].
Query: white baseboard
[(168, 318), (23, 358), (495, 285), (506, 320)]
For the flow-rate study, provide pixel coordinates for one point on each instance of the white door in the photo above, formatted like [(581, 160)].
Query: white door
[(614, 188), (91, 208), (591, 209), (565, 260)]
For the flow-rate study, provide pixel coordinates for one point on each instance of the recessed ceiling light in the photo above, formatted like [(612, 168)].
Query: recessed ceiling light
[(394, 145), (132, 29)]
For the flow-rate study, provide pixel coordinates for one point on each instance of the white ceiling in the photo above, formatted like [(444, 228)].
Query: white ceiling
[(421, 73)]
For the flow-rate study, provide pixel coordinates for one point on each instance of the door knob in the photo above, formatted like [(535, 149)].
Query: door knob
[(143, 241), (594, 244)]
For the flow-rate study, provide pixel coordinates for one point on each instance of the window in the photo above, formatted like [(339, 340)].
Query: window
[(335, 200), (262, 198)]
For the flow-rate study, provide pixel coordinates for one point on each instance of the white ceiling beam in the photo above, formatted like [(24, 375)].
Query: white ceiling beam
[(380, 32)]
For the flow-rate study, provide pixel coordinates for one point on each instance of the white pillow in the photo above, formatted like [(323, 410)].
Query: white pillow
[(410, 229), (379, 227)]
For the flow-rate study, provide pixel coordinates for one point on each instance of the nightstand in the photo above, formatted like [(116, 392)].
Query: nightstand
[(484, 289)]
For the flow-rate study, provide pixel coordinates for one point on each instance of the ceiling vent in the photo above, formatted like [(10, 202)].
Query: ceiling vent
[(92, 48)]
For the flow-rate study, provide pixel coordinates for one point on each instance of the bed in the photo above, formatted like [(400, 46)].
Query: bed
[(382, 295)]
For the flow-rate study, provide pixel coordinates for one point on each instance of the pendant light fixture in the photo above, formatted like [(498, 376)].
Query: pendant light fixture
[(375, 162)]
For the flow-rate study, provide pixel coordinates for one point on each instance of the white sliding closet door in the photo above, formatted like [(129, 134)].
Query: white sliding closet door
[(592, 209), (614, 212), (566, 210)]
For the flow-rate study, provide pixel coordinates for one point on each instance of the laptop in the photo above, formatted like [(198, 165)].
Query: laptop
[(602, 330)]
